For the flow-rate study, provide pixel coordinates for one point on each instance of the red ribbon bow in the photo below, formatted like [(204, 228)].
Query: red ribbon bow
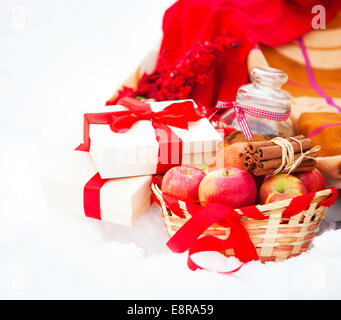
[(177, 114)]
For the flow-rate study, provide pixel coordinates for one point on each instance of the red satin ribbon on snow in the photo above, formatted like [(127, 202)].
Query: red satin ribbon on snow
[(177, 114), (203, 217)]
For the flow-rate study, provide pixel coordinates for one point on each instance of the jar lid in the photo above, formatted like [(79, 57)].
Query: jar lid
[(265, 90)]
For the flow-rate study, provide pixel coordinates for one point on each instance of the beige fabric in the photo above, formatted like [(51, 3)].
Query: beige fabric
[(130, 82), (330, 166), (256, 59), (319, 58)]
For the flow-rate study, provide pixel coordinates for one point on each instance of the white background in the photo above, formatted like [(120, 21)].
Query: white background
[(59, 59)]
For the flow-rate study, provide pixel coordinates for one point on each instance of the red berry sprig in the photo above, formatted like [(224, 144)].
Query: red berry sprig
[(175, 82)]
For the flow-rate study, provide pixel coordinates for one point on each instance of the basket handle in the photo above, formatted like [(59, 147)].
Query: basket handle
[(186, 238)]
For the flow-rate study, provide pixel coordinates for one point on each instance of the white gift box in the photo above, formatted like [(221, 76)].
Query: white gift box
[(135, 152), (122, 200)]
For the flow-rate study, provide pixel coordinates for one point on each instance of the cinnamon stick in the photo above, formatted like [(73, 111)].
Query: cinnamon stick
[(248, 158), (256, 157), (254, 146), (309, 165), (304, 169), (263, 172), (275, 163), (275, 151)]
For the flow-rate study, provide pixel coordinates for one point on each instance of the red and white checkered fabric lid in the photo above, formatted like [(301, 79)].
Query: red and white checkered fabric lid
[(240, 111)]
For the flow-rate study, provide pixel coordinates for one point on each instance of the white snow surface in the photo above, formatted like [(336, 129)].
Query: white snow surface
[(60, 59)]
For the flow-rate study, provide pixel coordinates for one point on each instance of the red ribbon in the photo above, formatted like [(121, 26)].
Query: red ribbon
[(331, 199), (91, 193), (298, 204), (187, 237), (91, 197), (177, 114)]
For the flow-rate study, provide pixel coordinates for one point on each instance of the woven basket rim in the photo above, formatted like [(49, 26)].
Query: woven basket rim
[(261, 207), (275, 238)]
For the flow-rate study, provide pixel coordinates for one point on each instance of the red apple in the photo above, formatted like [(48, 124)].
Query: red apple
[(230, 186), (280, 187), (182, 182), (313, 180)]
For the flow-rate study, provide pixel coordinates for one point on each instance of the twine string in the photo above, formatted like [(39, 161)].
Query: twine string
[(289, 164)]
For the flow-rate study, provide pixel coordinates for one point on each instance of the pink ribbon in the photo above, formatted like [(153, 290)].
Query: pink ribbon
[(317, 88), (311, 76), (319, 129), (240, 111)]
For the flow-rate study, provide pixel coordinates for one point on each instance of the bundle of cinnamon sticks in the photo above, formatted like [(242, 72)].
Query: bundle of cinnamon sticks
[(265, 157)]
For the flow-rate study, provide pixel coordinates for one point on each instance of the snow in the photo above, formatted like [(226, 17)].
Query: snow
[(59, 60)]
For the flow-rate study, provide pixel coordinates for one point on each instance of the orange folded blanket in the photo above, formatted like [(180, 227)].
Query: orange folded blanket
[(324, 128)]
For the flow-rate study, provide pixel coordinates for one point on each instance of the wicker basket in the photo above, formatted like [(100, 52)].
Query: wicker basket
[(275, 238)]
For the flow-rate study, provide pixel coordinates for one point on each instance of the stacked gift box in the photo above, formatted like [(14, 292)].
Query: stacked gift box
[(108, 176)]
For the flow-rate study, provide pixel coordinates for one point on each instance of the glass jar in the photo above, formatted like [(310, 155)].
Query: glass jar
[(263, 93)]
